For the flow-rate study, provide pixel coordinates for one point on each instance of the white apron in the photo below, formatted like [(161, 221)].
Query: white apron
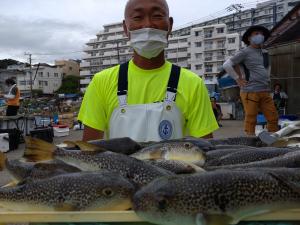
[(147, 122)]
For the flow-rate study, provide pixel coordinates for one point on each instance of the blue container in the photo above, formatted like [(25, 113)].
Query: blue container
[(261, 119)]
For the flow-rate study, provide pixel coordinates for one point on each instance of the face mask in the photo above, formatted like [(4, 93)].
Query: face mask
[(148, 42), (257, 39)]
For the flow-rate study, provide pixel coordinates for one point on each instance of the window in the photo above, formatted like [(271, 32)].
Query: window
[(40, 74), (70, 68), (197, 33), (231, 40), (22, 82), (209, 68), (208, 33), (183, 40), (46, 83), (55, 74), (198, 44), (198, 67), (220, 30), (182, 50), (48, 74), (198, 55)]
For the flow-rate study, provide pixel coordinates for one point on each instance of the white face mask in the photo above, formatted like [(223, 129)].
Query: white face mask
[(148, 42)]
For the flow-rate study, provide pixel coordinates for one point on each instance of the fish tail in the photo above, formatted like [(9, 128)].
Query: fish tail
[(38, 150), (2, 160)]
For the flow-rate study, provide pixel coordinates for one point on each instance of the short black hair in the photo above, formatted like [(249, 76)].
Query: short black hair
[(277, 84), (10, 81)]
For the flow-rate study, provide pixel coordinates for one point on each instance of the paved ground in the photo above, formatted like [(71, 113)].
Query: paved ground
[(230, 128)]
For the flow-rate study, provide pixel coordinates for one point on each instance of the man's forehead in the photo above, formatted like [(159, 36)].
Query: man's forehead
[(133, 5)]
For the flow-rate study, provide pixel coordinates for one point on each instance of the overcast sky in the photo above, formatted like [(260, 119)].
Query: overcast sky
[(62, 27)]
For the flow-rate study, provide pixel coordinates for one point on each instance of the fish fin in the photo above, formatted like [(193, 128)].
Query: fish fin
[(70, 144), (88, 147), (65, 207), (214, 219), (2, 160), (38, 150)]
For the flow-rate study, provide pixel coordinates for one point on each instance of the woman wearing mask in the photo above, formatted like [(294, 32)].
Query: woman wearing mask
[(12, 98)]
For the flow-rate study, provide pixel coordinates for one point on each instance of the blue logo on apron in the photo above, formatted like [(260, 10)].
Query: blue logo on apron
[(165, 129)]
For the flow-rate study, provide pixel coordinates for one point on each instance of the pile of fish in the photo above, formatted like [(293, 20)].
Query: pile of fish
[(186, 181)]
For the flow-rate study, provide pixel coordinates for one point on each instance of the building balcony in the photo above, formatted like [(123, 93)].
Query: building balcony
[(85, 81), (88, 49), (85, 64), (85, 73)]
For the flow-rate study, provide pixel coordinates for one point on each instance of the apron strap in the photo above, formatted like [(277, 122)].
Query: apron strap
[(173, 84), (123, 84)]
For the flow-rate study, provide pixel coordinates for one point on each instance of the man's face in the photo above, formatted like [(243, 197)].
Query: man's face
[(147, 14), (255, 33)]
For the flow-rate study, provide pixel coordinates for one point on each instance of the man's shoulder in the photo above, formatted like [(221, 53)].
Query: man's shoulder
[(107, 73), (190, 76)]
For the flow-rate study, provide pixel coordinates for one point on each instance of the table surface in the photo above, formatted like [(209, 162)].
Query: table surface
[(118, 216)]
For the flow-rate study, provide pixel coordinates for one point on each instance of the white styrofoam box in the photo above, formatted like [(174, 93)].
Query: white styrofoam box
[(61, 132), (4, 142), (228, 110)]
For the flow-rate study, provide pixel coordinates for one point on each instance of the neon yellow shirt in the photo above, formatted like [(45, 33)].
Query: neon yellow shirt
[(148, 86)]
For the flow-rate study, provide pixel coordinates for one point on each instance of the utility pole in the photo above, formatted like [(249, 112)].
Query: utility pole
[(30, 73), (238, 9), (118, 52)]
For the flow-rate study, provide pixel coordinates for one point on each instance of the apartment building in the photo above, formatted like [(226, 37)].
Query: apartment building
[(178, 51), (210, 47), (267, 14), (110, 48)]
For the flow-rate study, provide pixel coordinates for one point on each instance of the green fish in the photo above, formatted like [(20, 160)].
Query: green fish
[(217, 197), (21, 171), (181, 151), (137, 171), (70, 192)]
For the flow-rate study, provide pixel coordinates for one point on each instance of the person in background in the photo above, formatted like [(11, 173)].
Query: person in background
[(279, 97), (217, 110), (147, 98), (12, 98), (255, 84)]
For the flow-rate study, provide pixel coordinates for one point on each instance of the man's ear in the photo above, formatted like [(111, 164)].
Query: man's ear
[(171, 25), (125, 29)]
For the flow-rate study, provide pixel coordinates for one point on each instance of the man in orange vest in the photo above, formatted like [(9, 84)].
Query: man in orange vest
[(12, 98)]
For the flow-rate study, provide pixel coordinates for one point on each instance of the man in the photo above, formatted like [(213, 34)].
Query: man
[(12, 98), (255, 83), (216, 109), (280, 98), (148, 98)]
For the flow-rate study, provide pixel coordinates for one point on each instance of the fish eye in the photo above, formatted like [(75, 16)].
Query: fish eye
[(107, 192), (187, 145), (162, 204)]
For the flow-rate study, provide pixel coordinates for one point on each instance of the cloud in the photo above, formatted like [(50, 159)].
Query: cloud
[(42, 36)]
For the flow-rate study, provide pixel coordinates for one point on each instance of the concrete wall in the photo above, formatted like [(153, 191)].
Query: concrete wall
[(285, 69)]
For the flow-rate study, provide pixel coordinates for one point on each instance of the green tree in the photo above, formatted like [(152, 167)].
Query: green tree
[(70, 85), (4, 63)]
